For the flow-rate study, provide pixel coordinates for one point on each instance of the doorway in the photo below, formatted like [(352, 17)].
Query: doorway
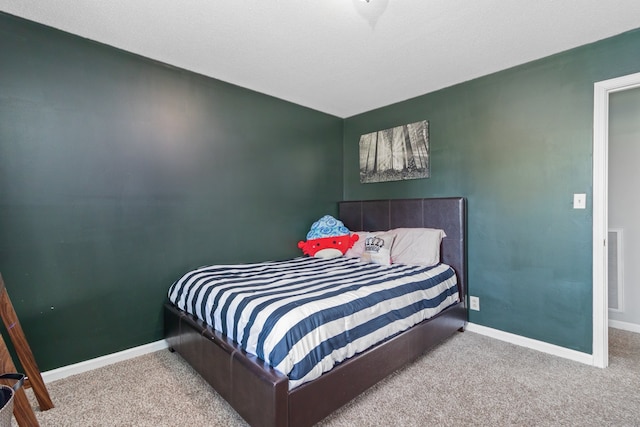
[(624, 210), (602, 90)]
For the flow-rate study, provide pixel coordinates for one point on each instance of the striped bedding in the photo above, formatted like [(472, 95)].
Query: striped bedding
[(303, 316)]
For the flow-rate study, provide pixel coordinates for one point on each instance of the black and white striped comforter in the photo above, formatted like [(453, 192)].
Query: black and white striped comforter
[(304, 315)]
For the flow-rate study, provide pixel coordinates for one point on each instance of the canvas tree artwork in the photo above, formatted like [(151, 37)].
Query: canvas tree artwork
[(395, 154)]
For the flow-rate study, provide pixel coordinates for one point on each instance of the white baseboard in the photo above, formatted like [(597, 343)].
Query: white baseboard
[(98, 362), (542, 346), (631, 327), (88, 365)]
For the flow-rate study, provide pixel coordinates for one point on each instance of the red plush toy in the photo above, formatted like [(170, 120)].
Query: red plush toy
[(328, 238)]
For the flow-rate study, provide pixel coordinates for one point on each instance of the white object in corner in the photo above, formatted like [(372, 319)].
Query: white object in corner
[(542, 346), (98, 362)]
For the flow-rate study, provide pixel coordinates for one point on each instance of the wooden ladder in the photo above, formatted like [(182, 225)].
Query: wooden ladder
[(22, 409)]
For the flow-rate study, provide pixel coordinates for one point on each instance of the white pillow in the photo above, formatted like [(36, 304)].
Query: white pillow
[(377, 248), (416, 246), (357, 249)]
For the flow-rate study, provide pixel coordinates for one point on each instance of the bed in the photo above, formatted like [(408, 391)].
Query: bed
[(263, 396)]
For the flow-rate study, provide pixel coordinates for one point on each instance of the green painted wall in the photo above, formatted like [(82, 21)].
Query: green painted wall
[(517, 144), (118, 173)]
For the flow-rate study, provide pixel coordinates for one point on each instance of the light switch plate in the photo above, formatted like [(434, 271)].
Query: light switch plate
[(579, 201)]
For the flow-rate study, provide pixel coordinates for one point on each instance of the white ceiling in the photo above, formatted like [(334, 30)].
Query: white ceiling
[(342, 57)]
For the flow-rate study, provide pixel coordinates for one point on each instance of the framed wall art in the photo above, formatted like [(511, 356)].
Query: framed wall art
[(395, 154)]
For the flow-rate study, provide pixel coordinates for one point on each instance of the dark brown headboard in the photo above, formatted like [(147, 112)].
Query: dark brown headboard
[(448, 214)]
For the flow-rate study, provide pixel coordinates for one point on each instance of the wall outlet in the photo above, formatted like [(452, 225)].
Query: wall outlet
[(579, 201), (474, 303)]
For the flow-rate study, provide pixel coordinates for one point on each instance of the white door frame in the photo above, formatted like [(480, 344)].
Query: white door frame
[(600, 211)]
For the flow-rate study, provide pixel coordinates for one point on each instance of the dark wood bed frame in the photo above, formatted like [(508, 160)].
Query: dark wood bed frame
[(261, 395)]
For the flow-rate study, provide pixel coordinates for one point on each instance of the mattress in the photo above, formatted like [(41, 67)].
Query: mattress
[(305, 315)]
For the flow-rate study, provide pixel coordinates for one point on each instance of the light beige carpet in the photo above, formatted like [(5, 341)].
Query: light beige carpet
[(470, 380)]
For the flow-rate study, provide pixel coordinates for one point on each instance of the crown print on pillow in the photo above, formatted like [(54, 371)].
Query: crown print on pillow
[(373, 244), (377, 248)]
